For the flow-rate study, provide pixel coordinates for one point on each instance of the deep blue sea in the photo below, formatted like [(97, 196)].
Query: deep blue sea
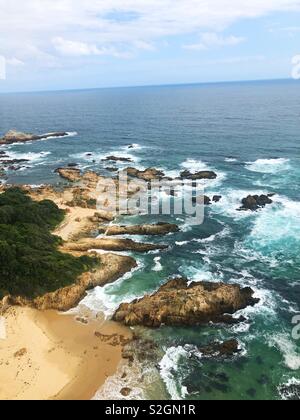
[(249, 133)]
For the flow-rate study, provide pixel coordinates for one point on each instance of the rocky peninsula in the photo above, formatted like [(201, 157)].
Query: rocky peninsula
[(19, 137)]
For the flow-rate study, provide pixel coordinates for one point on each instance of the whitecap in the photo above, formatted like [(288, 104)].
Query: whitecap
[(169, 366), (104, 300), (157, 267), (269, 166), (287, 390), (288, 348)]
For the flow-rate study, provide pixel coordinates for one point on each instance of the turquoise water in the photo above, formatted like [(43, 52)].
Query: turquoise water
[(249, 134)]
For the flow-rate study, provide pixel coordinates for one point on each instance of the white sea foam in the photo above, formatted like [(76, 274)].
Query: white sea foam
[(288, 348), (286, 390), (157, 267), (102, 299), (230, 160), (269, 166), (169, 366), (278, 228)]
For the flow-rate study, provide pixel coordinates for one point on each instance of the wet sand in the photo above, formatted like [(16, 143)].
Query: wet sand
[(47, 355)]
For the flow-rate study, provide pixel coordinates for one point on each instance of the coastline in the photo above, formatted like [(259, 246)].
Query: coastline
[(51, 356)]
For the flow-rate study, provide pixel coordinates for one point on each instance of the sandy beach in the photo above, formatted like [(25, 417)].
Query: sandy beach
[(49, 356)]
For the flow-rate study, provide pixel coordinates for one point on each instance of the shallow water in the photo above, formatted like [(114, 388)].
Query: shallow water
[(249, 134)]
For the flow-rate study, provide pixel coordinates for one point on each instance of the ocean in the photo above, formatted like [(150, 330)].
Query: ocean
[(249, 134)]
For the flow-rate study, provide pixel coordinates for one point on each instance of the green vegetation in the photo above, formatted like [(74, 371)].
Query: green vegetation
[(30, 263)]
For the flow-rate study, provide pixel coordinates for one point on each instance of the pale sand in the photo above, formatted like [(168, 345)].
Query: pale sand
[(59, 358)]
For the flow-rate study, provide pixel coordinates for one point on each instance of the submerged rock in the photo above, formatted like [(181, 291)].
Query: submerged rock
[(18, 137), (227, 349), (179, 304), (255, 202)]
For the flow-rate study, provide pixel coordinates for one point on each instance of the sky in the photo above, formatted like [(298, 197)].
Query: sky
[(76, 44)]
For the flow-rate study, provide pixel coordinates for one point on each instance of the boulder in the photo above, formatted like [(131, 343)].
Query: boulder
[(198, 175), (255, 202), (150, 174), (116, 159), (179, 303)]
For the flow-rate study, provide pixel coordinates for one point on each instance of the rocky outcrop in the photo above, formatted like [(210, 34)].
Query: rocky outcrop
[(150, 174), (117, 159), (255, 202), (111, 268), (226, 349), (70, 174), (179, 304), (116, 245), (198, 175), (18, 137), (147, 230)]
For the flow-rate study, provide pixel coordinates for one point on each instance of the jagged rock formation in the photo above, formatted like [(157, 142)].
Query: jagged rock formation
[(180, 304), (111, 268), (70, 174), (147, 230), (198, 175), (116, 159), (18, 137), (116, 245), (150, 174), (255, 202)]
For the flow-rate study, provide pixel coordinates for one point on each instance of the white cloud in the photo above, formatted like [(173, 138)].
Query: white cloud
[(78, 49), (14, 62), (118, 28), (210, 40)]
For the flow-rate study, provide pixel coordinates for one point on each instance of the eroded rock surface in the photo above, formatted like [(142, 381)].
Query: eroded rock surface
[(147, 230), (18, 137), (108, 244), (255, 202), (179, 304)]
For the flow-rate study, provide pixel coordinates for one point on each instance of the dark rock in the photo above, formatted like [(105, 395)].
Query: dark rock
[(126, 392), (116, 159), (198, 175), (252, 392), (217, 198), (255, 202), (227, 349)]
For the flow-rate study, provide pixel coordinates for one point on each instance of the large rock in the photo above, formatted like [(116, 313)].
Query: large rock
[(255, 202), (179, 304), (150, 174), (198, 175), (116, 159), (147, 230), (116, 245), (70, 174), (18, 137)]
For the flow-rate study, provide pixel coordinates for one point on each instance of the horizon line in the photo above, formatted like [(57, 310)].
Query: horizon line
[(290, 79)]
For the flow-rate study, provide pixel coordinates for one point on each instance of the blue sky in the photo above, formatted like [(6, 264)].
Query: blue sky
[(75, 44)]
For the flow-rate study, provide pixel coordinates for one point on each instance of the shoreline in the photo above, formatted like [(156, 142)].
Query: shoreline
[(51, 356)]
